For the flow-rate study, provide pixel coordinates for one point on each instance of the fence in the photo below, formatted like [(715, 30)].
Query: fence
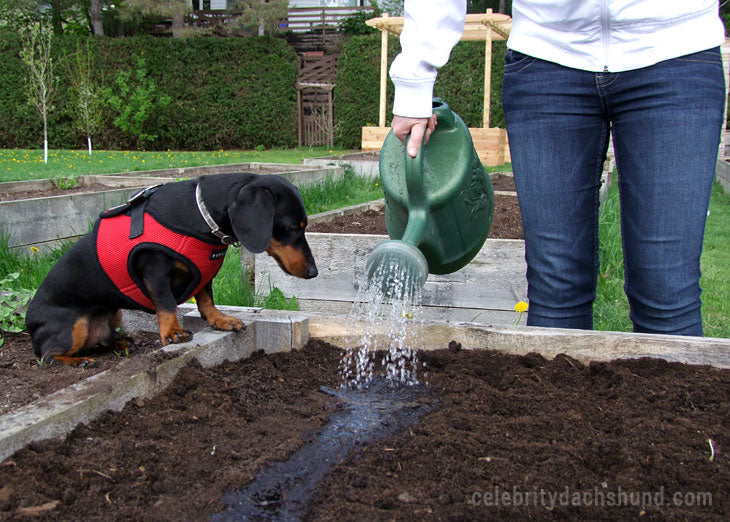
[(298, 20)]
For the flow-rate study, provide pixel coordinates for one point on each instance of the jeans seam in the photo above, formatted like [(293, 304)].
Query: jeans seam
[(596, 209)]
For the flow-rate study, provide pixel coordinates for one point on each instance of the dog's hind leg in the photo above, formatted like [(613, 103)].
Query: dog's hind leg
[(79, 338)]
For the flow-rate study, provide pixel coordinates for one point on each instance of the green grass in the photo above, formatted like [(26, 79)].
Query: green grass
[(22, 164), (332, 194), (611, 308), (715, 265)]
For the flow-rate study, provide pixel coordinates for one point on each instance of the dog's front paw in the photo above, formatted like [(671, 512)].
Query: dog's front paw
[(176, 336), (227, 323)]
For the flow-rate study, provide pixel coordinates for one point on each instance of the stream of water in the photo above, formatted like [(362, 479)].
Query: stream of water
[(389, 305), (376, 400), (282, 490)]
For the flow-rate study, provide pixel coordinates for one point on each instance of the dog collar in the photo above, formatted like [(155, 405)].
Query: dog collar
[(214, 228)]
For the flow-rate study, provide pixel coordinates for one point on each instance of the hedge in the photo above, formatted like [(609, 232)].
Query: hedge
[(460, 83), (234, 93)]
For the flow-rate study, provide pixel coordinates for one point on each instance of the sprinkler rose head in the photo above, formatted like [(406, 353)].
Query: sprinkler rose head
[(398, 268)]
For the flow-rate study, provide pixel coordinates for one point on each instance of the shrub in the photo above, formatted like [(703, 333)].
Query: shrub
[(227, 93), (460, 83)]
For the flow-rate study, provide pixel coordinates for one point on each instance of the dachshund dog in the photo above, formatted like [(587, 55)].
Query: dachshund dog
[(156, 251)]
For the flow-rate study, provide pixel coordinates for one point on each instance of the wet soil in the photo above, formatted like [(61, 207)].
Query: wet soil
[(506, 221), (501, 427)]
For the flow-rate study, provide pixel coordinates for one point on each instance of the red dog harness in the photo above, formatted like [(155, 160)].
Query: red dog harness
[(116, 251)]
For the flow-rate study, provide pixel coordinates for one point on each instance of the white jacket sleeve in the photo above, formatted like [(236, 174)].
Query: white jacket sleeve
[(431, 29)]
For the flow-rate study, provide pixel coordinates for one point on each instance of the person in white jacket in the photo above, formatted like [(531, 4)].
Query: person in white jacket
[(649, 72)]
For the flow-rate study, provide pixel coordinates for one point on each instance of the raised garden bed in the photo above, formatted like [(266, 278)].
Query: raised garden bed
[(509, 423)]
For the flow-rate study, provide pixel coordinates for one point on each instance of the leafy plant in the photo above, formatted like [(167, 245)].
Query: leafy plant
[(355, 25), (276, 300), (65, 182), (135, 100), (12, 306)]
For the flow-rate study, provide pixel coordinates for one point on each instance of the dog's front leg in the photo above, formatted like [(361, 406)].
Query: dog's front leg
[(215, 318), (157, 277)]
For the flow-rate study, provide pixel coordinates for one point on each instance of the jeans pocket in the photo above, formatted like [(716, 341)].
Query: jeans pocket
[(515, 61)]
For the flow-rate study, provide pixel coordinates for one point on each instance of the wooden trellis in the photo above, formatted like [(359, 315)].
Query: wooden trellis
[(490, 143), (315, 108)]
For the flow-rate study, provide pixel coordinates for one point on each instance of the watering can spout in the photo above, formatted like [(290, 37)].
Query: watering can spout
[(438, 205)]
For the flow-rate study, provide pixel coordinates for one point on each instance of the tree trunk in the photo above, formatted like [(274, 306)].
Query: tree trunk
[(97, 26), (57, 16), (45, 139), (178, 24), (502, 6)]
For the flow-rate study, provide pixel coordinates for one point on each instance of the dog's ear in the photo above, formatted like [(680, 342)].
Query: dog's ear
[(252, 217)]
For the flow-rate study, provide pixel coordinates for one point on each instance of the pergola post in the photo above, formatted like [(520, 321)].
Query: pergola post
[(487, 72), (383, 69)]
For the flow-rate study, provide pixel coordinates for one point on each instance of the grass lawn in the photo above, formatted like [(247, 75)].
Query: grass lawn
[(611, 309), (22, 164)]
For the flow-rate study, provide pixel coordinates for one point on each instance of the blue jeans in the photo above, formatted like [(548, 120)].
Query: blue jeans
[(666, 121)]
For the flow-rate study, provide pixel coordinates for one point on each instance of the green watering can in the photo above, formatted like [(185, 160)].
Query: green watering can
[(438, 206)]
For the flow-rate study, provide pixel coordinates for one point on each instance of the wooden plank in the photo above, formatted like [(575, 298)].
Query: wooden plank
[(487, 72), (583, 345), (490, 143), (421, 313), (383, 73), (494, 280)]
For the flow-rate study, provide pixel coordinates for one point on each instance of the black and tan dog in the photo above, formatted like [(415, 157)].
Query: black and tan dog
[(155, 252)]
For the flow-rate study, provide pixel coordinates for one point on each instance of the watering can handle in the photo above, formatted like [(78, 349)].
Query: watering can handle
[(416, 197), (414, 179)]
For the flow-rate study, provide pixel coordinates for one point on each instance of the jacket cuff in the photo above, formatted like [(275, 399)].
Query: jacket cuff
[(413, 99)]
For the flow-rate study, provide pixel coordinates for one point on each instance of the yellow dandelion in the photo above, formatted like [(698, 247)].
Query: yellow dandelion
[(520, 308), (34, 249)]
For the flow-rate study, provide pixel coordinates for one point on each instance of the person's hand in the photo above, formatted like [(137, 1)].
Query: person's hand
[(420, 130)]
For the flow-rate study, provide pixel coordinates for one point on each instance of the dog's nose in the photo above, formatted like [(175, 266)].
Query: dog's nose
[(311, 271)]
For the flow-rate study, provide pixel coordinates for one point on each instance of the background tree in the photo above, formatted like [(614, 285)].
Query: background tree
[(95, 19), (42, 81), (264, 15), (174, 9), (85, 92)]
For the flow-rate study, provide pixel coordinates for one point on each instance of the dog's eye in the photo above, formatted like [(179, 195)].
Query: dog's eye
[(293, 228)]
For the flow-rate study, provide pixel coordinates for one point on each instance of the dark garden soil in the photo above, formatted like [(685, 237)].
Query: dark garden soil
[(502, 427), (25, 380), (506, 222), (28, 194)]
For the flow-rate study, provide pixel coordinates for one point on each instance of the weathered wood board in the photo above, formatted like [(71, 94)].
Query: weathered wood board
[(582, 345), (486, 290)]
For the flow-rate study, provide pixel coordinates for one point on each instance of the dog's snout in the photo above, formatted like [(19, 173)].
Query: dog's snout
[(311, 271)]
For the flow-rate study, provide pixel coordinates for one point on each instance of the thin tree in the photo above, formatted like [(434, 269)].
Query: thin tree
[(174, 9), (265, 15), (85, 93), (35, 52)]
